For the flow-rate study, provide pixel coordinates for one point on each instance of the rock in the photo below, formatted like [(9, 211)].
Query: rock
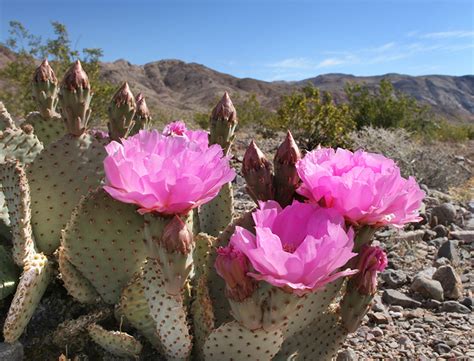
[(427, 272), (445, 213), (441, 348), (411, 236), (450, 281), (377, 332), (428, 288), (440, 230), (437, 242), (347, 355), (379, 318), (449, 250), (429, 235), (394, 297), (468, 302), (443, 261), (454, 306), (432, 304), (394, 278), (466, 236), (11, 352)]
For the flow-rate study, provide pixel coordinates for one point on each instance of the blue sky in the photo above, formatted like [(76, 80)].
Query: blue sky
[(269, 40)]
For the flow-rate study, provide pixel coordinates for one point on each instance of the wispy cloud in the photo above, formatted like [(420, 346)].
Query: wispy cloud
[(448, 35), (392, 51)]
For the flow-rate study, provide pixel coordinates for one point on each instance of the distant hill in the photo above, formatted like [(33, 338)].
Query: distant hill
[(183, 88)]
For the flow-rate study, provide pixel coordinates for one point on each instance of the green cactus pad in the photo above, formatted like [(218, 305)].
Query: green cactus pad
[(168, 312), (215, 215), (201, 254), (312, 306), (17, 198), (33, 282), (104, 241), (134, 307), (4, 218), (63, 172), (203, 317), (320, 340), (75, 283), (19, 144), (232, 341), (47, 130), (73, 333), (116, 342), (8, 273), (6, 120)]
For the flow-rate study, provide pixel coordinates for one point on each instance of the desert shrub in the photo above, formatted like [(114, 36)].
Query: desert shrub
[(432, 163), (313, 118), (29, 48)]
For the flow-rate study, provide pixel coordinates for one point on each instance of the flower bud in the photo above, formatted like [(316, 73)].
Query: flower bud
[(286, 178), (177, 238), (142, 116), (121, 111), (257, 172), (45, 89), (223, 123), (232, 266), (74, 98), (371, 260)]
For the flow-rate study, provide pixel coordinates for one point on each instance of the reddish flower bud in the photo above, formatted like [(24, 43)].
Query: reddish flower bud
[(286, 178), (44, 73), (224, 110), (223, 123), (124, 96), (76, 78), (257, 172), (371, 261), (176, 237), (232, 266), (142, 109)]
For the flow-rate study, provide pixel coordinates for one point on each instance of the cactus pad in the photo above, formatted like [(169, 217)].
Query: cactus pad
[(75, 283), (63, 172), (203, 316), (168, 312), (20, 144), (4, 218), (232, 341), (33, 282), (17, 198), (320, 340), (134, 307), (47, 130), (104, 241), (116, 342), (8, 273), (215, 215)]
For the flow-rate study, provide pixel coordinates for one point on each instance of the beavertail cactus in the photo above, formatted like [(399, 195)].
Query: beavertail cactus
[(122, 109)]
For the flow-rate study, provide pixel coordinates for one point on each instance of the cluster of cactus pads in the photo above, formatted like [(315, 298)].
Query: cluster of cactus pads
[(62, 222)]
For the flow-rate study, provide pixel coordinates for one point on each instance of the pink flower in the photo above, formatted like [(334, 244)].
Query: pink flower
[(371, 261), (178, 128), (175, 128), (232, 266), (299, 248), (165, 174), (366, 188)]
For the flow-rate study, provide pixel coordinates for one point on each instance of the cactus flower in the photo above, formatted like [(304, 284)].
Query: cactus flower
[(232, 265), (299, 248), (366, 188), (175, 128), (371, 261), (165, 174)]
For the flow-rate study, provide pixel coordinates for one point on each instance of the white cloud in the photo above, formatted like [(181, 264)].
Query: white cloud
[(448, 35), (293, 63)]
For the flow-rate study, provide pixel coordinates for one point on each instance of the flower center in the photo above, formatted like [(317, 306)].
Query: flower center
[(289, 248)]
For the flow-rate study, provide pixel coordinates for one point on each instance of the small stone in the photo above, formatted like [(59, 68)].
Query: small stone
[(394, 297), (405, 341), (448, 250), (347, 355), (11, 352), (443, 261), (429, 235), (394, 278), (468, 302), (441, 348), (466, 236), (427, 272), (437, 242), (379, 318), (445, 213), (396, 308), (428, 288), (441, 231), (450, 281), (454, 306), (377, 332), (432, 304), (411, 236)]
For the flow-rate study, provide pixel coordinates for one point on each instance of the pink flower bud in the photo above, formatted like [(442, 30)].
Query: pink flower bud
[(76, 78), (177, 237), (224, 110), (44, 73), (258, 174), (232, 266), (124, 96), (142, 108), (371, 261)]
